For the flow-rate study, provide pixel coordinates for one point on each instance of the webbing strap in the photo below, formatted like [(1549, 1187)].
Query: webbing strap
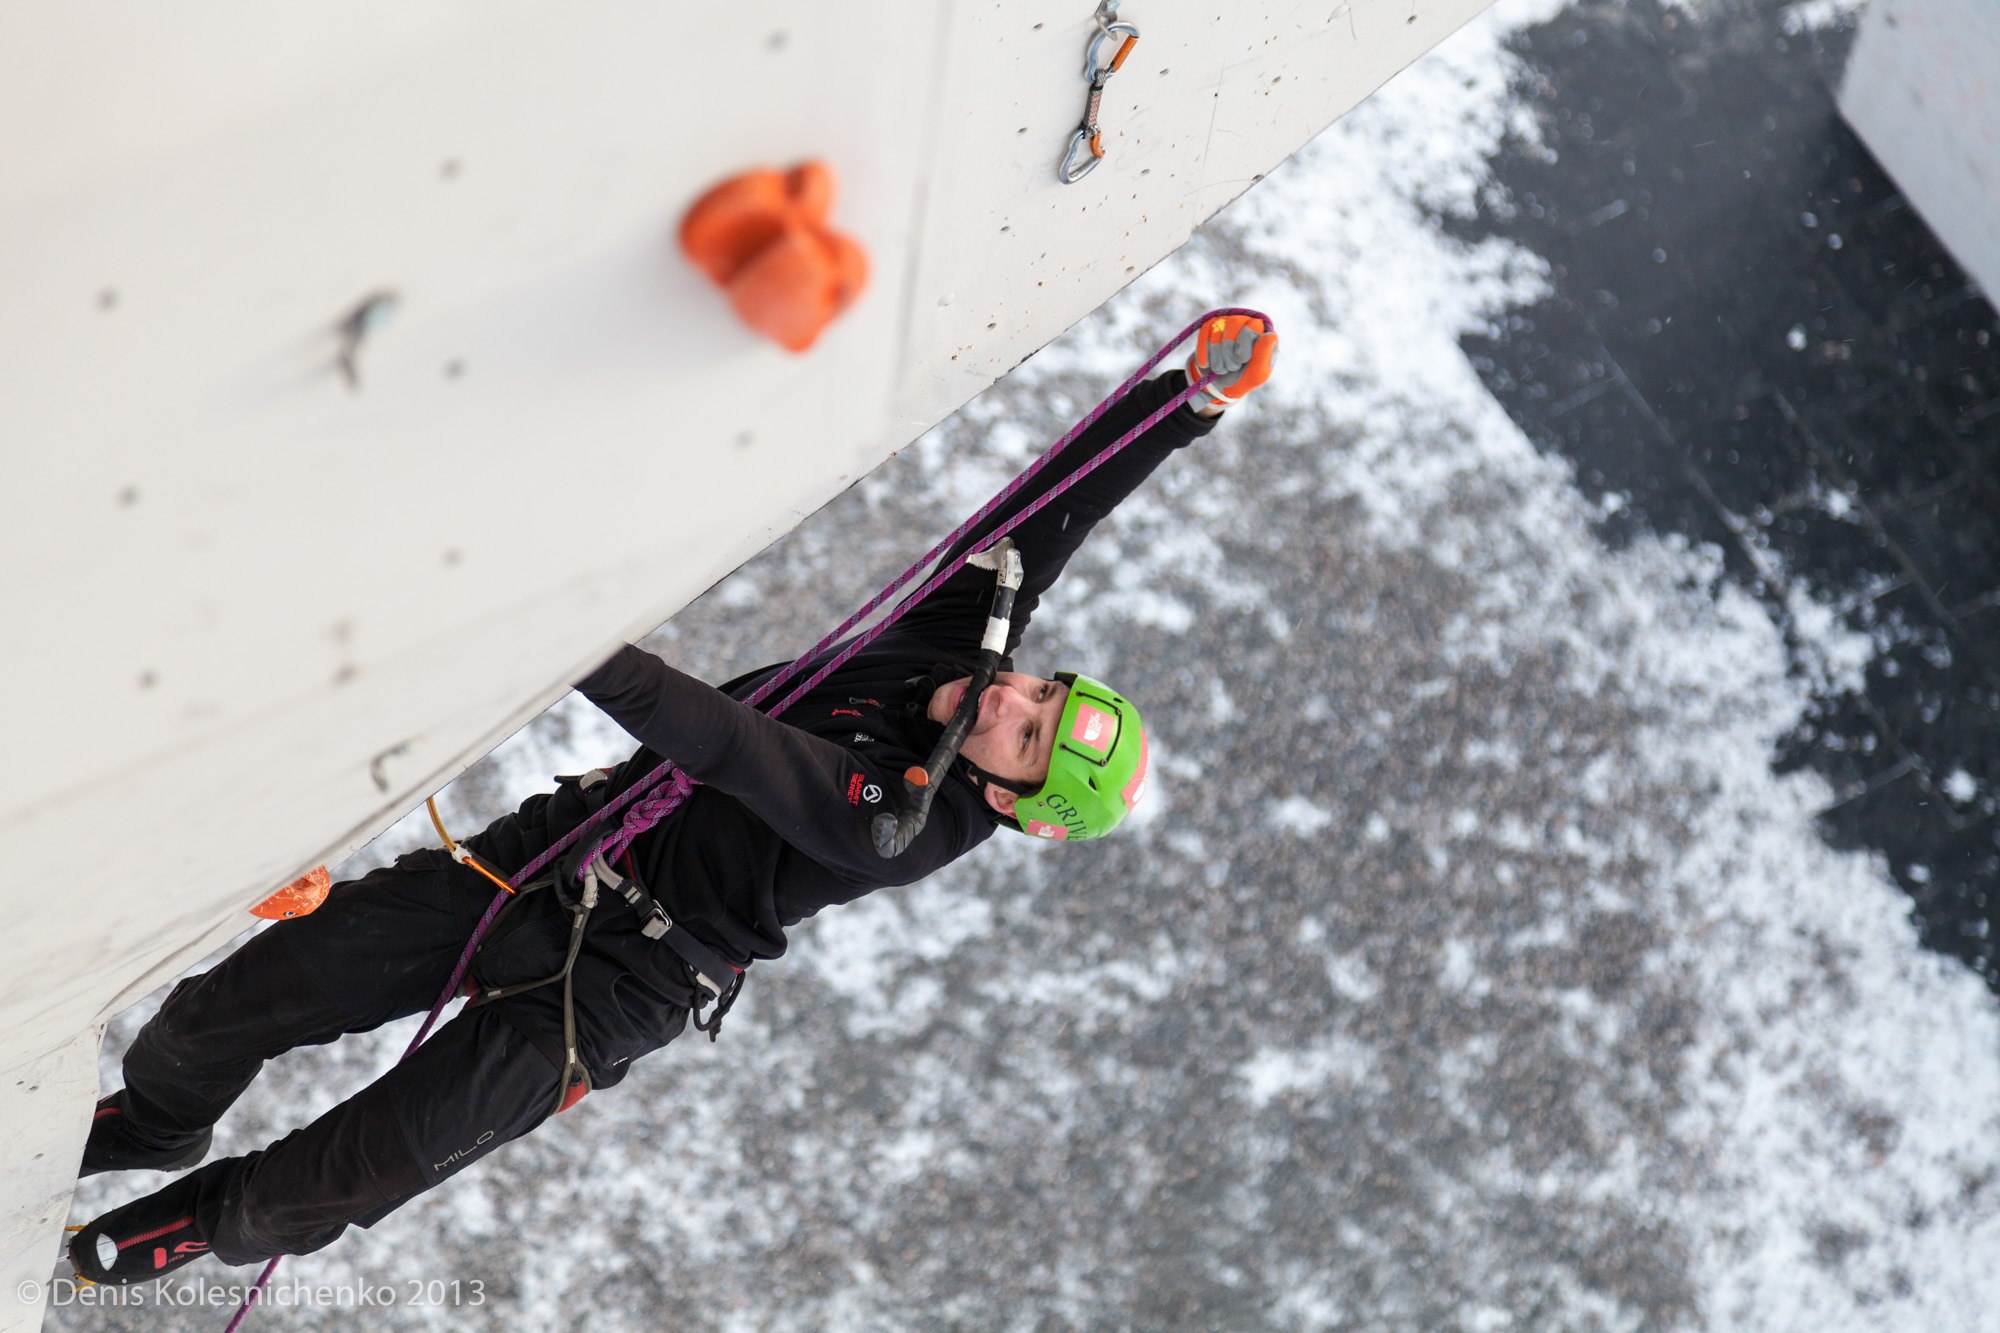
[(713, 972)]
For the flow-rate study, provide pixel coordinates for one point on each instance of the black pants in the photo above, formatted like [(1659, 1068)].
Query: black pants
[(380, 948)]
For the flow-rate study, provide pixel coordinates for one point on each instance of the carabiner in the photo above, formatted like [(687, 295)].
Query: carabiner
[(1075, 167), (1072, 170), (1097, 74)]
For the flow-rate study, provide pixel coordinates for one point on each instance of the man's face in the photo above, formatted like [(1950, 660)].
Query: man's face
[(1015, 732)]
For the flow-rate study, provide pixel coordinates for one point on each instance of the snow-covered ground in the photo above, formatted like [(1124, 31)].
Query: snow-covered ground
[(1468, 969)]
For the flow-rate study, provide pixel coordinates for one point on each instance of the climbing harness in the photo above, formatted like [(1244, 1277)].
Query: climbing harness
[(661, 792), (1086, 146), (714, 976), (575, 1081)]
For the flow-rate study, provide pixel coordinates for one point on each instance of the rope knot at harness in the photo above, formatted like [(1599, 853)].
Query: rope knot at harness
[(662, 791)]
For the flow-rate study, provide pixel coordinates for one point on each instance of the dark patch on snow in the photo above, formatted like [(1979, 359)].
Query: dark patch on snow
[(1753, 340)]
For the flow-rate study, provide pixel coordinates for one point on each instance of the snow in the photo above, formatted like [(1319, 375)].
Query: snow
[(1806, 15), (1300, 816), (1270, 1074)]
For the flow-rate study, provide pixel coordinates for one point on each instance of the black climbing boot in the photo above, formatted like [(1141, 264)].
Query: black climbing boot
[(117, 1143), (146, 1239)]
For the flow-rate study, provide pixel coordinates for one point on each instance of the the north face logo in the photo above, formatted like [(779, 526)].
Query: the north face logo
[(1093, 727)]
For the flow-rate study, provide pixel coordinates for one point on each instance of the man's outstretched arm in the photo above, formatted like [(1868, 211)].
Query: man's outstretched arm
[(954, 616), (1239, 356)]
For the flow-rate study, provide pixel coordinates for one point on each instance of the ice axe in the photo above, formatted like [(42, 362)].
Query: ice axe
[(894, 832)]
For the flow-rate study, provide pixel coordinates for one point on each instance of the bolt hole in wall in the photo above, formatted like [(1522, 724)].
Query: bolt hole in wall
[(1753, 340)]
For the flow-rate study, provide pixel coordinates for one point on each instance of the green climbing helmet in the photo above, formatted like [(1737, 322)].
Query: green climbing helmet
[(1096, 771)]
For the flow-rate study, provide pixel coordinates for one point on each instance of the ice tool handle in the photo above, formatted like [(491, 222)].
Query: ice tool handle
[(894, 832)]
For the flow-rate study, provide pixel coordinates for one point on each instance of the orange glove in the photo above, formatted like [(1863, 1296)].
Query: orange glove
[(1238, 351)]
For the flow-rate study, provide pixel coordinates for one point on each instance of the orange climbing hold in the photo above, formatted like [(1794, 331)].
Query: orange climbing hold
[(298, 898), (763, 238)]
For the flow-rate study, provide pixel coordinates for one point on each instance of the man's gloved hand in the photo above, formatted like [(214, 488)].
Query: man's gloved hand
[(1240, 353)]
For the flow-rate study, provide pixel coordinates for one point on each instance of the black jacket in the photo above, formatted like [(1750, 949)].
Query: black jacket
[(779, 827)]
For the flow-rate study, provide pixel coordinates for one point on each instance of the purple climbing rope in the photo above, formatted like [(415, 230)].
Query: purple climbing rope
[(672, 790), (666, 787)]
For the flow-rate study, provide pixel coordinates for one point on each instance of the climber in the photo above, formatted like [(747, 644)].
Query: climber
[(777, 829)]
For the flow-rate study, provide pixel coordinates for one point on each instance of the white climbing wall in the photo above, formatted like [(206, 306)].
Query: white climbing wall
[(255, 614), (1922, 89)]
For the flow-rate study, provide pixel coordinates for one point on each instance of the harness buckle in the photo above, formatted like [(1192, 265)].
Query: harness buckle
[(654, 922)]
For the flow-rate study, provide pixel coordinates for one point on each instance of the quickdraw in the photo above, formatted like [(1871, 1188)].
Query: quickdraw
[(1086, 146)]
